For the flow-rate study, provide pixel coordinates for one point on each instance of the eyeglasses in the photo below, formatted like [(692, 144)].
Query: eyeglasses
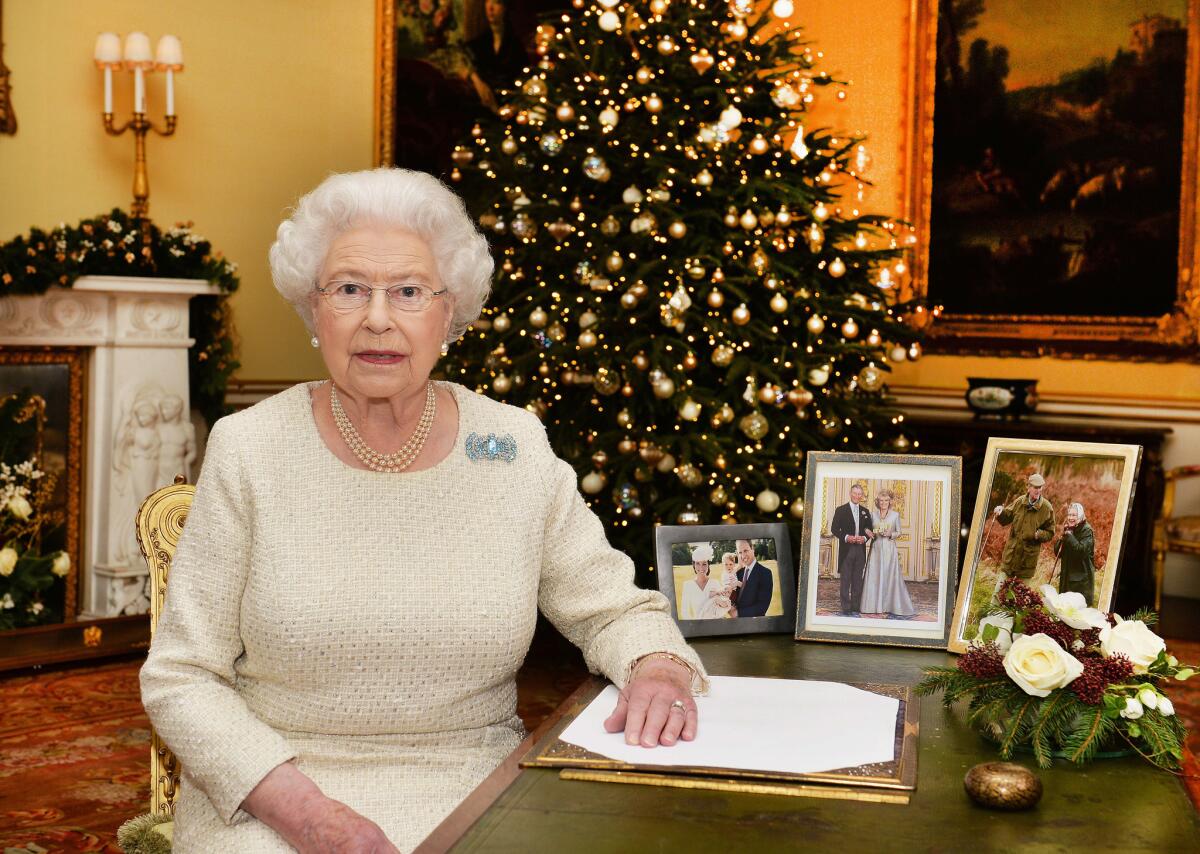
[(346, 297)]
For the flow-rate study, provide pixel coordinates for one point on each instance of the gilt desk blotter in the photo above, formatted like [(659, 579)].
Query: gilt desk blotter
[(888, 781)]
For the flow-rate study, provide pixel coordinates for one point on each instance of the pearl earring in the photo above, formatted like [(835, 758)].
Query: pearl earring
[(315, 342), (445, 348)]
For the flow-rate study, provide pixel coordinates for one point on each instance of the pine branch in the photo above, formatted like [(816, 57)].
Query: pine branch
[(1157, 733), (1058, 710), (1017, 728), (1092, 728)]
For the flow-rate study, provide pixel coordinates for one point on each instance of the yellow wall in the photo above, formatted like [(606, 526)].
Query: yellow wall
[(275, 95), (278, 93)]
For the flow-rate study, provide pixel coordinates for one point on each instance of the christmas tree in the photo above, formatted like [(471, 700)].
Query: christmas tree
[(686, 294)]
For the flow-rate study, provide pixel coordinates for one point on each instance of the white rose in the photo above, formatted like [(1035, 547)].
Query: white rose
[(1132, 639), (1039, 665), (1072, 609), (19, 507), (62, 564), (1165, 707), (1133, 709), (8, 560), (1148, 697), (7, 602), (1003, 624)]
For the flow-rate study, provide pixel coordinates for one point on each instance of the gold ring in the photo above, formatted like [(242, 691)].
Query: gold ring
[(678, 704)]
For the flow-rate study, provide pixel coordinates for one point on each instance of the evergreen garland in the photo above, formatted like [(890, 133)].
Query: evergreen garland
[(118, 244)]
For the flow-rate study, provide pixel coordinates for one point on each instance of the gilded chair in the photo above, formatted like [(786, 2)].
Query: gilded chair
[(159, 523), (1173, 533)]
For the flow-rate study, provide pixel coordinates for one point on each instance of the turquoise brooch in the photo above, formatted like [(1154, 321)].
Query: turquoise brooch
[(491, 447)]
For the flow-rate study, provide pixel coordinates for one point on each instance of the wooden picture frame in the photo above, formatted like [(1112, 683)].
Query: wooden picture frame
[(1100, 476), (8, 119), (907, 566), (57, 373), (772, 548), (1130, 327)]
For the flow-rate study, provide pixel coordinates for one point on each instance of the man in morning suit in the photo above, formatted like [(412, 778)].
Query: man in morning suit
[(852, 526), (754, 597)]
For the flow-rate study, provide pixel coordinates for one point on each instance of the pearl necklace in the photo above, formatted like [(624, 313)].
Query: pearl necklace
[(367, 455)]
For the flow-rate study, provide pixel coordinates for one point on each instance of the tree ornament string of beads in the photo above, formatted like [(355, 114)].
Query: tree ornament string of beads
[(367, 455)]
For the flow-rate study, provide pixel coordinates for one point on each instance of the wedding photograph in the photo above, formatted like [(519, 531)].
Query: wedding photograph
[(880, 548), (1047, 513), (725, 579)]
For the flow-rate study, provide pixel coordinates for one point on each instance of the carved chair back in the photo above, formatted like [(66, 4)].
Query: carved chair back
[(159, 523)]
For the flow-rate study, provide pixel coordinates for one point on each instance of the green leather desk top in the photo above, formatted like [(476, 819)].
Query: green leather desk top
[(1111, 805)]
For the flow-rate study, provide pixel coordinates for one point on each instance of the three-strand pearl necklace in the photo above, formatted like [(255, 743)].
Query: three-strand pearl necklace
[(367, 455)]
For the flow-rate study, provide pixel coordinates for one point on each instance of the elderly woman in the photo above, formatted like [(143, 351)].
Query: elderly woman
[(1076, 549), (320, 694)]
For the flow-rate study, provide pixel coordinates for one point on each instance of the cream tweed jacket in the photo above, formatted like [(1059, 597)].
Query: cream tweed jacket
[(368, 626)]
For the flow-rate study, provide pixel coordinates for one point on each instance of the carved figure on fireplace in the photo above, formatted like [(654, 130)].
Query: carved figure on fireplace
[(177, 438)]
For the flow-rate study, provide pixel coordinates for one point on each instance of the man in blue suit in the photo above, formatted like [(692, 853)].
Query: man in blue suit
[(754, 597)]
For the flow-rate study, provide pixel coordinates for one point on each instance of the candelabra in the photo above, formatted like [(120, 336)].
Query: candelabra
[(136, 58)]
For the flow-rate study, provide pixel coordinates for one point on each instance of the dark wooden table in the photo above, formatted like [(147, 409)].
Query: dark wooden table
[(968, 439), (1112, 805)]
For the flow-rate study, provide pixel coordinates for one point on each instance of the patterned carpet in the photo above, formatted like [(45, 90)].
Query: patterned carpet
[(74, 745)]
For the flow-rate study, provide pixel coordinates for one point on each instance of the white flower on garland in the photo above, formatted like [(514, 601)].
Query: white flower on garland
[(1134, 640), (1133, 709), (1072, 609), (8, 560), (62, 564), (1004, 633), (1039, 665)]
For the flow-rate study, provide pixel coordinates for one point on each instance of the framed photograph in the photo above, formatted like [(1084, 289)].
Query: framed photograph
[(1052, 175), (880, 548), (439, 66), (51, 430), (1047, 513), (727, 579)]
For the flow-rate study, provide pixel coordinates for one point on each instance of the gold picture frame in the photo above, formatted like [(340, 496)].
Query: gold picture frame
[(385, 81), (1004, 481), (1173, 335), (8, 120)]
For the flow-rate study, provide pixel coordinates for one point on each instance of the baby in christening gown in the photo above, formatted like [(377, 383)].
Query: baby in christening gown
[(720, 597)]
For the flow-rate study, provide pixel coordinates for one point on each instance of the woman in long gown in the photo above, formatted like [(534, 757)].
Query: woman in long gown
[(703, 597), (884, 591)]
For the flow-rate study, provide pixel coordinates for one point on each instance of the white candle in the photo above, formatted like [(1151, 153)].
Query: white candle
[(108, 89), (170, 92), (139, 91)]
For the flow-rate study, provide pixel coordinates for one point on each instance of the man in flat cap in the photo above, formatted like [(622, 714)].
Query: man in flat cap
[(1032, 521)]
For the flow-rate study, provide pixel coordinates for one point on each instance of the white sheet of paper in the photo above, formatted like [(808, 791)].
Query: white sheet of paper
[(782, 725)]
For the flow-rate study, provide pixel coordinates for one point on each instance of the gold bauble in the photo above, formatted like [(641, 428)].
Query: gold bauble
[(625, 418), (748, 220), (818, 376), (677, 229), (718, 276), (754, 425), (587, 339), (666, 464), (658, 7), (690, 361), (850, 328), (501, 384), (689, 410), (799, 397), (779, 304), (639, 289), (731, 218), (758, 145), (654, 104), (704, 178), (898, 353), (610, 226), (557, 332), (874, 339), (509, 145), (831, 427), (725, 413), (593, 482), (690, 476), (772, 283), (544, 369), (718, 495), (538, 318), (722, 355), (815, 324), (914, 351), (766, 393), (663, 388), (627, 390), (797, 508), (784, 217), (567, 376), (644, 75), (736, 31), (606, 381), (837, 268), (641, 361), (716, 299), (650, 453), (588, 319), (870, 378), (629, 300), (600, 459), (626, 446), (767, 501), (502, 323), (741, 315), (728, 247), (666, 45), (614, 262), (759, 261)]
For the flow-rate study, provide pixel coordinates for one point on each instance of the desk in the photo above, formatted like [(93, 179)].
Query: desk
[(1112, 805)]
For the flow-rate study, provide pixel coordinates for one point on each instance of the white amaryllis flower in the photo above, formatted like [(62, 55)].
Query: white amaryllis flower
[(1072, 609), (1134, 640), (1039, 665), (1133, 709), (1148, 697), (1004, 635), (8, 560), (19, 507), (1165, 707), (62, 564)]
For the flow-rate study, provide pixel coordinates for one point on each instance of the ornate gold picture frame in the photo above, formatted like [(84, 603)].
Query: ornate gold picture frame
[(8, 120), (1173, 334)]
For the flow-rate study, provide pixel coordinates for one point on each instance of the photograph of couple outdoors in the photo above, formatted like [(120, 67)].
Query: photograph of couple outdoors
[(879, 550), (726, 579)]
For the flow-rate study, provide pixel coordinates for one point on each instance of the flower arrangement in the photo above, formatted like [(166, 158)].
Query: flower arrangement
[(118, 244), (1051, 674), (26, 574)]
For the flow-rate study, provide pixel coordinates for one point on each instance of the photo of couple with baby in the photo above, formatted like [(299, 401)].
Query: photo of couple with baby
[(726, 579)]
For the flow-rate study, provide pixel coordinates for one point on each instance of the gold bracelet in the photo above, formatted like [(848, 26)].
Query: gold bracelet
[(669, 656)]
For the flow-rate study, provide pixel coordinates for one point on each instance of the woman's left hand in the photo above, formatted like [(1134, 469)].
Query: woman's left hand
[(648, 706)]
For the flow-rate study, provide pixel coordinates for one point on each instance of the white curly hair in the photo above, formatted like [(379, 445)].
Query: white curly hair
[(396, 198)]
